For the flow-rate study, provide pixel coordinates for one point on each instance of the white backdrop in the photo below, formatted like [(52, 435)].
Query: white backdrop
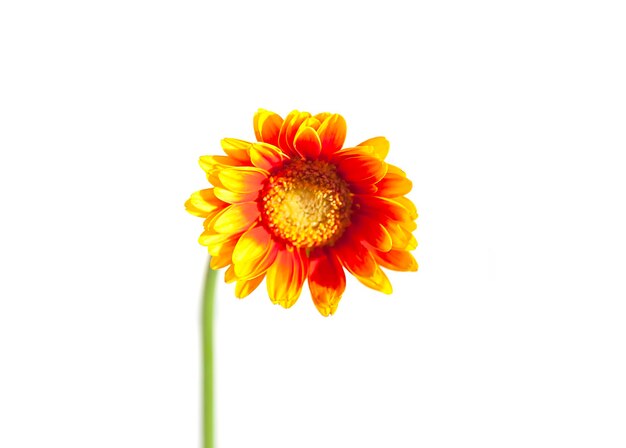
[(508, 117)]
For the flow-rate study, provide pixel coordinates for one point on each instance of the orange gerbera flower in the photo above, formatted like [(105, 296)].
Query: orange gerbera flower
[(294, 206)]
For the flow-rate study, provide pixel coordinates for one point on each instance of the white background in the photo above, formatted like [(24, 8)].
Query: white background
[(509, 117)]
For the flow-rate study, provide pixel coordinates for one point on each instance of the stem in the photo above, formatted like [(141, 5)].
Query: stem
[(207, 357)]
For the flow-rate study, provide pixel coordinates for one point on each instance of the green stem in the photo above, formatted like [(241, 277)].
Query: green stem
[(207, 357)]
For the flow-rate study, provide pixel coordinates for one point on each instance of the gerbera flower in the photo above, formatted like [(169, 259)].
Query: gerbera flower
[(296, 205)]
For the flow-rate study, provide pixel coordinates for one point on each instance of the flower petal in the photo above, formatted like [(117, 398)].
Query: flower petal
[(381, 207), (322, 116), (242, 179), (372, 232), (332, 134), (289, 129), (393, 185), (307, 143), (378, 281), (244, 287), (267, 126), (361, 169), (379, 145), (397, 260), (254, 253), (237, 149), (229, 275), (266, 157), (408, 205), (312, 122), (233, 198), (209, 163), (286, 276), (355, 257), (236, 218), (203, 203), (327, 281)]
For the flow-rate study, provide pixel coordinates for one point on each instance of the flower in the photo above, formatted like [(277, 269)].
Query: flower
[(296, 205)]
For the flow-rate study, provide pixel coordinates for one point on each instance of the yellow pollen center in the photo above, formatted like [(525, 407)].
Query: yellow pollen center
[(306, 203)]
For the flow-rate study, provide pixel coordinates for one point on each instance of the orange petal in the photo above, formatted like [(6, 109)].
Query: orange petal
[(397, 260), (254, 253), (307, 143), (372, 232), (393, 185), (355, 257), (327, 282), (236, 218), (267, 126), (244, 287), (332, 134), (289, 129), (220, 261), (242, 179), (379, 145), (286, 276), (229, 275), (381, 207), (203, 203), (267, 157), (408, 205), (322, 116), (361, 169)]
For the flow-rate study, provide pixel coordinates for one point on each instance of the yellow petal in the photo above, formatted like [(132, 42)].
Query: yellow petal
[(266, 157), (377, 281), (203, 203), (242, 179), (232, 198), (237, 149), (254, 253), (209, 163), (236, 218), (379, 145), (286, 276)]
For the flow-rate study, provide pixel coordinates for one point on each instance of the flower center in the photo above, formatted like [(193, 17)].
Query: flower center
[(306, 203)]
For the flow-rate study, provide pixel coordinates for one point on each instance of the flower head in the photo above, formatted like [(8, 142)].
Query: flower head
[(296, 205)]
